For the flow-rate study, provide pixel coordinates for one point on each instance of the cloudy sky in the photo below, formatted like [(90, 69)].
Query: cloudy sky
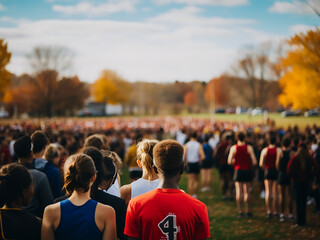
[(149, 40)]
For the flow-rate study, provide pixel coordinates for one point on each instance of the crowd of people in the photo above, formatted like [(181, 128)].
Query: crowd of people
[(63, 176)]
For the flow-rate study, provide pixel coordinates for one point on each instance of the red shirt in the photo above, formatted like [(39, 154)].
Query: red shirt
[(271, 156), (167, 214), (242, 158)]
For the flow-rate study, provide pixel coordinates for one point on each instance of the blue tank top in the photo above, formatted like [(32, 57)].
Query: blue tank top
[(78, 222), (208, 152)]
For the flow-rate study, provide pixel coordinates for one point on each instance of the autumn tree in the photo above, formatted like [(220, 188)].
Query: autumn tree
[(70, 95), (57, 58), (111, 88), (301, 81), (217, 92), (190, 100), (256, 67), (5, 76), (45, 94)]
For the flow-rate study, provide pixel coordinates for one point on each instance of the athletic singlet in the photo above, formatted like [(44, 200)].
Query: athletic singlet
[(242, 158), (271, 156), (192, 154), (78, 222), (284, 161), (114, 189), (142, 186)]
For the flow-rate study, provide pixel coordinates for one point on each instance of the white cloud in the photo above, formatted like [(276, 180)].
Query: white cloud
[(229, 3), (90, 9), (2, 8), (190, 15), (298, 28), (162, 48), (299, 7)]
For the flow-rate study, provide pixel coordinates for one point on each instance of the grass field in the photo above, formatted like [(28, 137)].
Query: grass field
[(225, 225), (300, 121)]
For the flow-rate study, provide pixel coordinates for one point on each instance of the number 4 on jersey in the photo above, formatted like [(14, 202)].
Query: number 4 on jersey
[(168, 226)]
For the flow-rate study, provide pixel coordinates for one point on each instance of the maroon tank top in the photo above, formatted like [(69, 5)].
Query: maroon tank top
[(270, 161), (242, 158)]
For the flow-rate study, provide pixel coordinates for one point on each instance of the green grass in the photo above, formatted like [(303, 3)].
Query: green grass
[(300, 121), (225, 225)]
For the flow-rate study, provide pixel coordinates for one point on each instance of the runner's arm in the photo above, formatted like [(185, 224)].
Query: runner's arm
[(262, 157), (231, 155), (279, 156)]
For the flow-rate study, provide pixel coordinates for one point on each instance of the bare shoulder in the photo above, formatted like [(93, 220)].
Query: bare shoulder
[(104, 209), (53, 208), (125, 190), (104, 212), (233, 148), (125, 193), (264, 150), (52, 215)]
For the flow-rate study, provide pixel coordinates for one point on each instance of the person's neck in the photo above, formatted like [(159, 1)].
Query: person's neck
[(241, 143), (145, 175), (79, 197), (272, 145), (169, 183), (26, 160), (38, 155)]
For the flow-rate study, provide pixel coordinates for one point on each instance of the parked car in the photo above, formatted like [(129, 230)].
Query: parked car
[(230, 110), (289, 113), (312, 113), (86, 112), (220, 110)]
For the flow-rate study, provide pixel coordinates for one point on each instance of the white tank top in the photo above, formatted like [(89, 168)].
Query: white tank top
[(192, 154), (114, 189), (142, 186)]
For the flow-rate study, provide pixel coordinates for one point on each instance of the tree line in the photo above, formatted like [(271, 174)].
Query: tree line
[(270, 76)]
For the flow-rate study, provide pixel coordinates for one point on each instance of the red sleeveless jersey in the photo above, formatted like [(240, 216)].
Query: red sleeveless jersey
[(242, 158), (270, 161)]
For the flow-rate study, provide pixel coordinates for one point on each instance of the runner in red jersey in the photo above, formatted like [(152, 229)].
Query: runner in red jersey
[(268, 158), (242, 157), (167, 212)]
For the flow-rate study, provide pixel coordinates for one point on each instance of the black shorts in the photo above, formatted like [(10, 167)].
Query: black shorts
[(193, 168), (243, 175), (283, 179), (223, 168), (260, 174), (206, 164), (271, 174), (134, 174)]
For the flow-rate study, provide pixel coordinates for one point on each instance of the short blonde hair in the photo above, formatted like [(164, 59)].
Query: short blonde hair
[(51, 153)]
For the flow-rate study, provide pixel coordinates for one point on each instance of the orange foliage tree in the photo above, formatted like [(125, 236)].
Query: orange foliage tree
[(45, 94), (301, 82), (111, 88), (5, 76), (217, 91), (190, 99)]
